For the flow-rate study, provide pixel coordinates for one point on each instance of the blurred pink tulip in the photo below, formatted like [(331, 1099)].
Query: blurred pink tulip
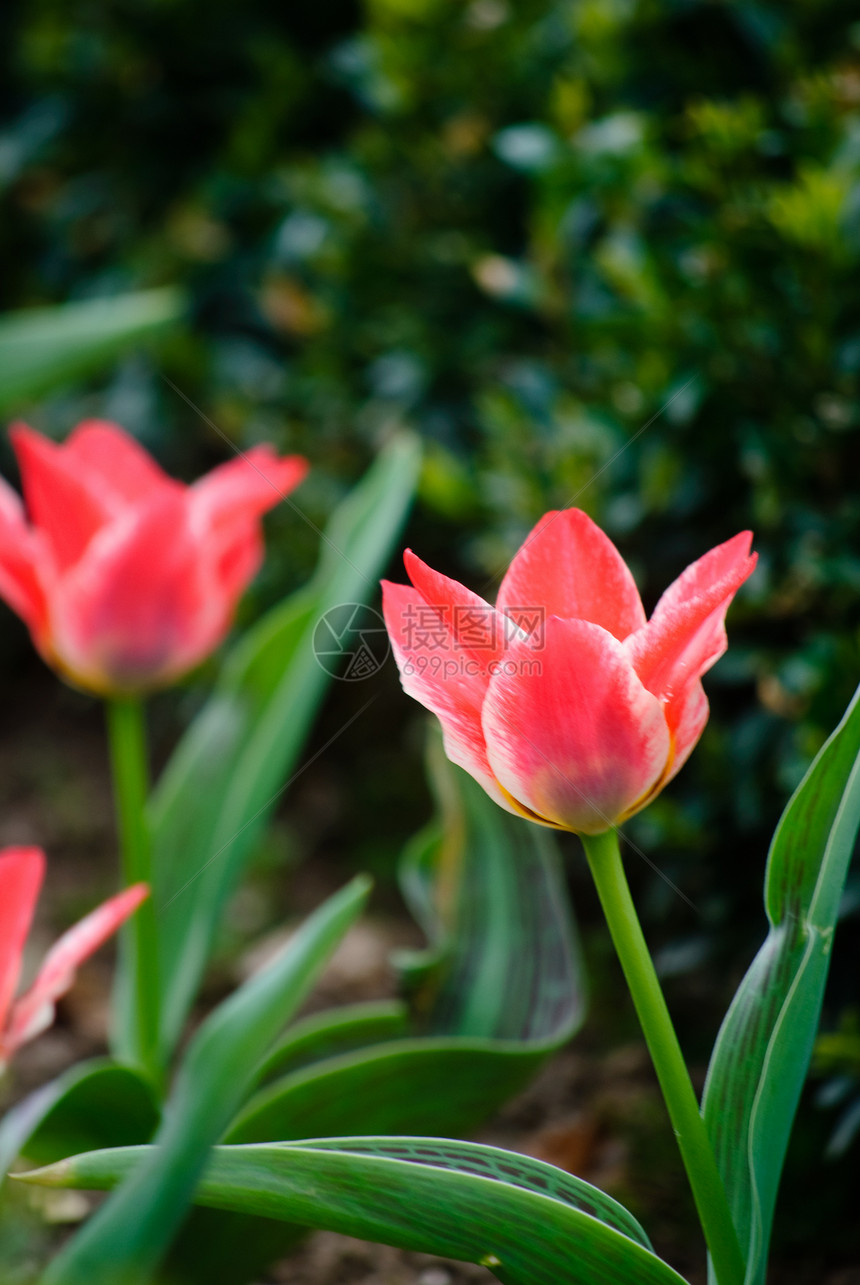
[(125, 577), (563, 702), (21, 874)]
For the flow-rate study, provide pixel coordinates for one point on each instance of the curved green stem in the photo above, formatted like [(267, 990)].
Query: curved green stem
[(709, 1194), (127, 735)]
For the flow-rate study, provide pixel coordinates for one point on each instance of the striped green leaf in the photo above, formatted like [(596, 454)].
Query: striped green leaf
[(529, 1223), (763, 1050)]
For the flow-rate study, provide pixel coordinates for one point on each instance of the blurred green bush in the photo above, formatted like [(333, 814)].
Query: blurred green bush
[(601, 252)]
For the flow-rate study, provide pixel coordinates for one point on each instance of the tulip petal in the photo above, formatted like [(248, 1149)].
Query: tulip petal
[(21, 874), (686, 634), (445, 679), (24, 560), (571, 732), (142, 606), (567, 567), (686, 716), (226, 504), (34, 1011), (472, 624), (64, 503), (247, 486), (123, 471)]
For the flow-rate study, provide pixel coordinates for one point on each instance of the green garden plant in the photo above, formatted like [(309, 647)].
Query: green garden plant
[(563, 720), (489, 900)]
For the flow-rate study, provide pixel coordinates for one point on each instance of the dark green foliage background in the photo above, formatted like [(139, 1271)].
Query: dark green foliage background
[(601, 252)]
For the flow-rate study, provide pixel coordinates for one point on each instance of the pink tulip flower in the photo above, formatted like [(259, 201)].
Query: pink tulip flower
[(126, 578), (21, 874), (563, 701)]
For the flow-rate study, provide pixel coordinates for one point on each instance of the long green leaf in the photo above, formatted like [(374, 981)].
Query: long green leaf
[(530, 1223), (43, 347), (218, 791), (763, 1050), (130, 1234)]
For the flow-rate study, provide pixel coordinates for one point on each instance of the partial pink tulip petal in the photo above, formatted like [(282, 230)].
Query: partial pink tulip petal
[(21, 873), (568, 568), (22, 557), (724, 562), (571, 732), (686, 716), (451, 684), (685, 635), (119, 467), (126, 578), (34, 1011), (472, 624), (580, 723), (247, 486), (226, 506), (63, 502), (449, 641), (237, 556)]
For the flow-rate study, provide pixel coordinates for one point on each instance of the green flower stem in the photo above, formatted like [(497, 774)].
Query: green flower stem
[(127, 736), (709, 1194)]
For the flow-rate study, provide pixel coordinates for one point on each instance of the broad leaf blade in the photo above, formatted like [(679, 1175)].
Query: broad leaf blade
[(424, 1085), (129, 1235), (94, 1104), (43, 347), (501, 987), (337, 1031), (220, 788), (530, 1223), (505, 960), (763, 1050)]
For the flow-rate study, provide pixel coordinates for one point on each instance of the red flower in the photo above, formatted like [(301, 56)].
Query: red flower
[(21, 874), (125, 577), (564, 703)]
